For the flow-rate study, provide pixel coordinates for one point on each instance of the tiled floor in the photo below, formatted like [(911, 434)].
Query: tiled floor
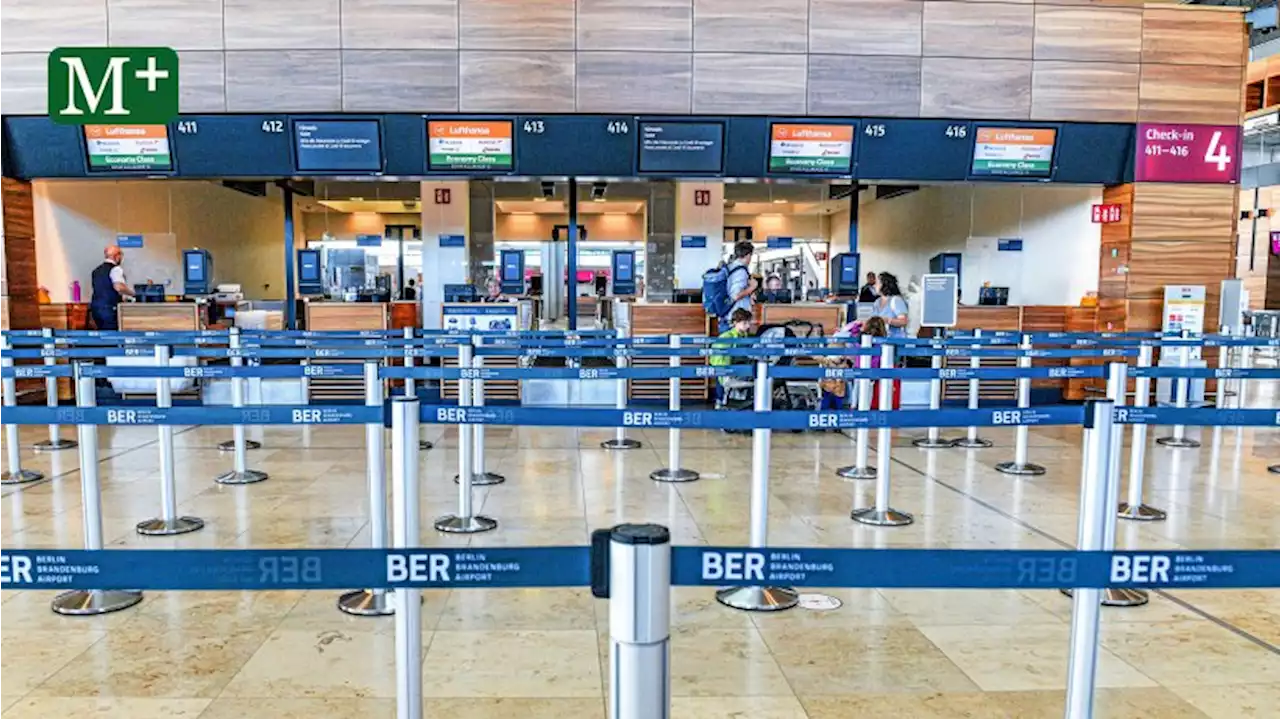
[(539, 654)]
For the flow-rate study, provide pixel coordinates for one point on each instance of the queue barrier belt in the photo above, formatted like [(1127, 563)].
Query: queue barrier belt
[(496, 567)]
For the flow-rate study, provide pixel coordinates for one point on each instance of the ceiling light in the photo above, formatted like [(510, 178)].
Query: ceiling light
[(357, 199), (779, 202)]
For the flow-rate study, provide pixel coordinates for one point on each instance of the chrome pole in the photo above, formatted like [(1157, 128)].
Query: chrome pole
[(410, 386), (480, 475), (1135, 508), (934, 440), (620, 439), (882, 514), (16, 474), (404, 475), (372, 602), (235, 344), (673, 472), (861, 468), (1179, 439), (1022, 434), (639, 622), (168, 523), (55, 441), (971, 440), (465, 521), (240, 472)]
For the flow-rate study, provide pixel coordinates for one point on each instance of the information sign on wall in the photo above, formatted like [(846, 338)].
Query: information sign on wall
[(693, 241), (810, 149), (337, 145), (469, 145), (938, 297), (676, 147), (368, 240), (1187, 153), (1106, 214), (1013, 151), (127, 147), (778, 243), (126, 242), (502, 317), (453, 241)]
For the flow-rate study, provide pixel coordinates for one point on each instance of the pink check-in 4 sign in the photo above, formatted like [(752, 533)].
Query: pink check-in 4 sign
[(1187, 153)]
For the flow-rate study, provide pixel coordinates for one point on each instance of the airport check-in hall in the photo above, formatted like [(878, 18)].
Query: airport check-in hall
[(687, 358)]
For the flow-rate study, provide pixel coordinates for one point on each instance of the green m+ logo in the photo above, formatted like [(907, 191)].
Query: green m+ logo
[(113, 85)]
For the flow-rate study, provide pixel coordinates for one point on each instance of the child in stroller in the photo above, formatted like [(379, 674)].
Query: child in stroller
[(739, 392)]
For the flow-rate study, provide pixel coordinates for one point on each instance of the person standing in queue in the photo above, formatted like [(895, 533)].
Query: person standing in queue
[(868, 291), (740, 285), (890, 305), (110, 286)]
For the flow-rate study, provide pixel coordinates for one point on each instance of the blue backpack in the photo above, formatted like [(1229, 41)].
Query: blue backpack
[(715, 290)]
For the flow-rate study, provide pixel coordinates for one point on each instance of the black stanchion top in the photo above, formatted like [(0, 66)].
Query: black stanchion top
[(640, 534)]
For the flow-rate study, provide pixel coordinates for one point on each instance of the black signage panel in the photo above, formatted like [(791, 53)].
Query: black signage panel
[(232, 146), (576, 145), (915, 150), (35, 147), (674, 147), (337, 146), (404, 145), (1090, 153)]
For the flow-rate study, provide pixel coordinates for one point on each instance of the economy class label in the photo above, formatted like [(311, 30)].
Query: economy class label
[(458, 144), (127, 146), (1014, 151), (811, 148)]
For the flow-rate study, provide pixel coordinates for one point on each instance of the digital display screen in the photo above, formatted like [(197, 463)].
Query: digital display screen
[(309, 266), (1013, 151), (682, 147), (810, 149), (338, 145), (469, 145), (127, 148), (195, 268), (623, 267), (512, 266)]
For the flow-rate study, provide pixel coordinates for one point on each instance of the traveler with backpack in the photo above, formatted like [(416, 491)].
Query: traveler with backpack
[(730, 286)]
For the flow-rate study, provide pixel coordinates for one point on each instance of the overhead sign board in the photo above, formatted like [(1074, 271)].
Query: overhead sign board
[(1169, 152), (469, 145), (810, 149), (1013, 151), (337, 145), (127, 147), (695, 148)]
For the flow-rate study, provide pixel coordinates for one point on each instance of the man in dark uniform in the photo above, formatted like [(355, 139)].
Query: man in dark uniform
[(109, 286)]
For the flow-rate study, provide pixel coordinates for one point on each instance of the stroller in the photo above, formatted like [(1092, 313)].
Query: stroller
[(790, 394)]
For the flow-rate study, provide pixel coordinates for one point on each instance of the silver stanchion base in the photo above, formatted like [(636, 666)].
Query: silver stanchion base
[(230, 445), (366, 603), (887, 518), (1274, 469), (249, 476), (1141, 513), (758, 599), (49, 445), (852, 472), (1178, 442), (624, 443), (966, 443), (424, 445), (162, 527), (1119, 597), (22, 476), (673, 475), (92, 602), (453, 524), (1027, 469), (926, 443), (483, 479)]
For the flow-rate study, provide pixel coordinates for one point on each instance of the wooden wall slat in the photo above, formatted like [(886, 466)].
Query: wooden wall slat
[(859, 85), (963, 29), (635, 82), (1092, 34), (507, 81), (866, 27), (1084, 91), (642, 25), (20, 254), (1184, 212), (281, 24), (204, 81), (748, 83), (1203, 94), (966, 87), (254, 80), (516, 25), (1152, 265), (1189, 36), (398, 80), (148, 23), (398, 24), (763, 26)]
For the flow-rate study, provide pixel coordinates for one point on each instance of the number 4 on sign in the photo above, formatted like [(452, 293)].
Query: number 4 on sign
[(1217, 152)]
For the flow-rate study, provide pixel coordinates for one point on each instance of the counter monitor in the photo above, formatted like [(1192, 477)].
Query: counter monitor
[(127, 148), (682, 147), (1013, 151), (337, 145), (810, 149), (469, 145)]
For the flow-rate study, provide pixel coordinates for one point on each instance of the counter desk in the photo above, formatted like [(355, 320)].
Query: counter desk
[(336, 316), (662, 318)]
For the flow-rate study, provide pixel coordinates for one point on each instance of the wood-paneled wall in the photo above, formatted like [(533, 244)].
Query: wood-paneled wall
[(21, 308), (1105, 60), (1255, 264)]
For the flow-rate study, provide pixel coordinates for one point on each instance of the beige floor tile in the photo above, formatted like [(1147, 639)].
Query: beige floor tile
[(318, 611), (300, 708), (513, 664), (515, 707), (324, 663), (107, 708), (145, 663), (835, 661), (517, 609), (724, 662), (1191, 653), (28, 657), (212, 612), (936, 607), (1024, 657), (1108, 704), (1239, 701), (737, 708)]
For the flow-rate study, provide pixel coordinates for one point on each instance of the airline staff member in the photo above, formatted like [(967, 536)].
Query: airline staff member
[(109, 287)]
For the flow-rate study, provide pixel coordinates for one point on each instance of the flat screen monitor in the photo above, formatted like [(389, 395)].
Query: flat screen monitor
[(810, 149), (309, 265), (682, 147), (1013, 152), (776, 297), (195, 268), (993, 295), (337, 145), (127, 148), (469, 145)]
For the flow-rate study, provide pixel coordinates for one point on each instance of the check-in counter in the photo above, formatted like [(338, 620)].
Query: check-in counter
[(1007, 318), (160, 316), (65, 316), (338, 316), (669, 318), (826, 318)]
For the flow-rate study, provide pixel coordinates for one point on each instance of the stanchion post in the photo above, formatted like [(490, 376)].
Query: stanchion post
[(1182, 385), (404, 490), (234, 343), (55, 441), (934, 439), (882, 514), (1086, 605), (639, 622), (410, 386), (861, 468), (1022, 434), (240, 472), (465, 521), (372, 602), (91, 602), (971, 440), (480, 475), (168, 523), (760, 599), (620, 439), (673, 472), (16, 474), (1117, 388), (1135, 508)]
